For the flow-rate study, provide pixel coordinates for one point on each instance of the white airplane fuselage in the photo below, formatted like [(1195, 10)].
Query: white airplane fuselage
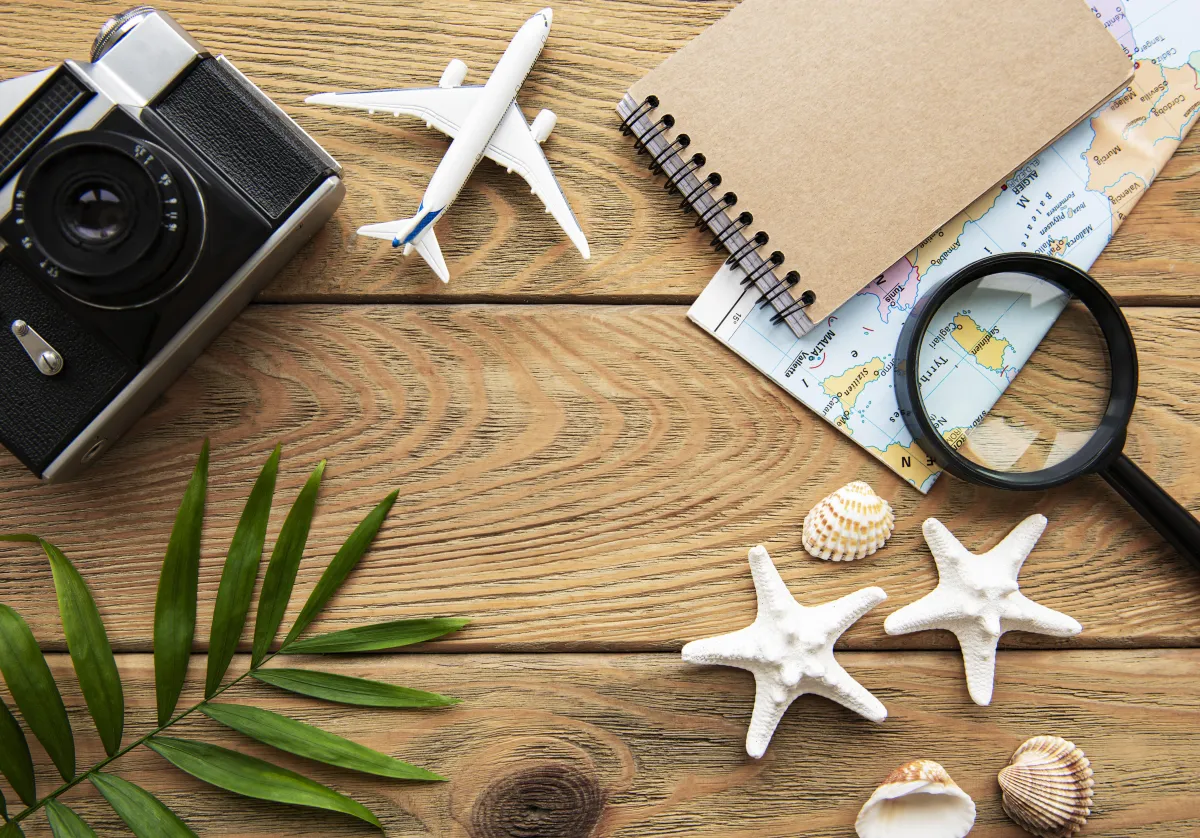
[(468, 147)]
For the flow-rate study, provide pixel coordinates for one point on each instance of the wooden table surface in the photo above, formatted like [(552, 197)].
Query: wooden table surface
[(581, 472)]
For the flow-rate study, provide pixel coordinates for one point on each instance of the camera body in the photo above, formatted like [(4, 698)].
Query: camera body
[(145, 197)]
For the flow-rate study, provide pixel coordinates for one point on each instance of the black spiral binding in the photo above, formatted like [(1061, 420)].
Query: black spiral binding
[(707, 185), (713, 210), (694, 164)]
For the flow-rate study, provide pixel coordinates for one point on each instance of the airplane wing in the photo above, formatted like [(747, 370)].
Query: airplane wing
[(514, 148), (445, 109)]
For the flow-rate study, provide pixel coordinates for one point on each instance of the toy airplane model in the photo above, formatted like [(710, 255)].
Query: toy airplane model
[(483, 121)]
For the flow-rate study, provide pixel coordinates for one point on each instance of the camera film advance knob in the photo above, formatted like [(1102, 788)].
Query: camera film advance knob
[(44, 356), (117, 27)]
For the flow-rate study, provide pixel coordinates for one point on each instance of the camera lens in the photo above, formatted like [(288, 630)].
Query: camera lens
[(95, 213), (106, 217)]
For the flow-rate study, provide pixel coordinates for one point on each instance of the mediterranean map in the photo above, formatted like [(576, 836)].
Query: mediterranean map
[(1067, 202)]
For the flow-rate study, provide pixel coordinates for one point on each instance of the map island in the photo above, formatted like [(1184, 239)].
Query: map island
[(848, 386), (988, 348)]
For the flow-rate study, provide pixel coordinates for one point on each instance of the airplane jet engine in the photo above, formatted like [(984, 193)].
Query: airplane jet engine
[(453, 75), (543, 125)]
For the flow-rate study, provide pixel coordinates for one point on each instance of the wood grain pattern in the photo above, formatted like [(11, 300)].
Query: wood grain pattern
[(583, 478), (589, 477), (497, 241), (645, 745), (1155, 255)]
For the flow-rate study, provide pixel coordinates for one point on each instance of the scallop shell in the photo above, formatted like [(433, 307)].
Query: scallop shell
[(1048, 787), (917, 800), (851, 523)]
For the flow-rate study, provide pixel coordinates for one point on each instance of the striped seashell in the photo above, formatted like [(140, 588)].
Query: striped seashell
[(849, 524), (1048, 787)]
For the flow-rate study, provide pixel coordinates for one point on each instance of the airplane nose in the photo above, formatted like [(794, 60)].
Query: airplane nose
[(548, 14)]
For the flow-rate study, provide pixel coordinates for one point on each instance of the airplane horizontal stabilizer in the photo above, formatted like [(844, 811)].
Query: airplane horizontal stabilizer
[(427, 246), (393, 231)]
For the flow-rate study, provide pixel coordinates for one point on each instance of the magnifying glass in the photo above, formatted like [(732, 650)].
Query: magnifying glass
[(1063, 416)]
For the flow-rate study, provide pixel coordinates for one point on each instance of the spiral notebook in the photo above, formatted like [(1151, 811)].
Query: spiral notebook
[(822, 140)]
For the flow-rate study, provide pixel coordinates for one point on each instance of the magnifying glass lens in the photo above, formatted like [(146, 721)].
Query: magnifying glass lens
[(969, 385)]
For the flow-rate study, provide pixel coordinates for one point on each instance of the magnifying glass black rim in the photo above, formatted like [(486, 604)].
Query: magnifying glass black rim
[(1109, 438)]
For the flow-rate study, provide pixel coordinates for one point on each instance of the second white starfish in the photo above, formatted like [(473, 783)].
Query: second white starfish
[(977, 598), (789, 649)]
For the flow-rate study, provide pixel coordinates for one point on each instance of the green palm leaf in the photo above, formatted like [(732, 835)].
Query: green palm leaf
[(37, 697), (175, 605), (307, 741), (281, 569), (66, 824), (15, 762), (237, 578), (379, 636), (343, 562), (344, 689), (143, 813), (253, 777), (91, 653), (33, 689)]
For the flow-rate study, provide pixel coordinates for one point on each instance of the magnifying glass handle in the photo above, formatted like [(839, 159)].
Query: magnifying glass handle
[(1174, 523)]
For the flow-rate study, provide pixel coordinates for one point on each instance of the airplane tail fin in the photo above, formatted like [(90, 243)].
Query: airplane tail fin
[(392, 231), (427, 246), (426, 243)]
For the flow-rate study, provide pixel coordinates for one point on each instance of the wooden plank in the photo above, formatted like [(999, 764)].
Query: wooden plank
[(497, 241), (1156, 252), (576, 478), (568, 746)]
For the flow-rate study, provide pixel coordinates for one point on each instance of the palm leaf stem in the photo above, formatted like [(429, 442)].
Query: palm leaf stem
[(67, 786)]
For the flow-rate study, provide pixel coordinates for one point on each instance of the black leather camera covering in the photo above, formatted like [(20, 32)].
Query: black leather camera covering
[(261, 153), (39, 413)]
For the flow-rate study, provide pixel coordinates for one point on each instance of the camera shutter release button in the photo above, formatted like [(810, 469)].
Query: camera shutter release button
[(44, 356), (117, 27)]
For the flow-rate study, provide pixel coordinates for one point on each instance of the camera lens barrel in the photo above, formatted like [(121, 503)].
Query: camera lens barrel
[(104, 213)]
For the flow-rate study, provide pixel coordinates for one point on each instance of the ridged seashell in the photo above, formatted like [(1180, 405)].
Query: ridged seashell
[(917, 800), (851, 523), (1048, 787)]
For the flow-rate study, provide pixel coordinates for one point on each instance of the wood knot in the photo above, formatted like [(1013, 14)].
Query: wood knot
[(546, 801)]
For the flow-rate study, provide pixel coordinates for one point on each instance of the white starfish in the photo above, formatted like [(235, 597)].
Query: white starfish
[(789, 649), (978, 599)]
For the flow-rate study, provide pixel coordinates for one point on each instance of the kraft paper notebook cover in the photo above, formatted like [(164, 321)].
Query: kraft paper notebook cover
[(852, 129)]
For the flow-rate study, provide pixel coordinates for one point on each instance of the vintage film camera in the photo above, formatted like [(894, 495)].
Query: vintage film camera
[(144, 198)]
